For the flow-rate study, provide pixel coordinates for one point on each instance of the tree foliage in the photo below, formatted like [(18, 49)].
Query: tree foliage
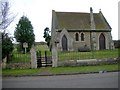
[(47, 36), (7, 46), (24, 33)]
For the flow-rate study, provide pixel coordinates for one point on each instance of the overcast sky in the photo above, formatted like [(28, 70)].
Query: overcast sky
[(39, 12)]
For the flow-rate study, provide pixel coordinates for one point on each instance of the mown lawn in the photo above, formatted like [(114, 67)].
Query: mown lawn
[(60, 70), (84, 69), (19, 72)]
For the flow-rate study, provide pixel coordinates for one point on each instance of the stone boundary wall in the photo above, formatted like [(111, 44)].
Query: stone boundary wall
[(68, 63), (18, 65), (88, 62)]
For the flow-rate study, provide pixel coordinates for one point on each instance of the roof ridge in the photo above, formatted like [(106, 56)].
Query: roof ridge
[(74, 12)]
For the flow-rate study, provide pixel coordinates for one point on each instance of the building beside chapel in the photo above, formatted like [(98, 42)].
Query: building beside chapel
[(72, 30)]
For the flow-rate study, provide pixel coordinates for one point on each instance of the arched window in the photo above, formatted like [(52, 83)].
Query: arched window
[(77, 37), (82, 37)]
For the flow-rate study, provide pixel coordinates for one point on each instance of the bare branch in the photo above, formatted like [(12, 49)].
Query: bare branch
[(4, 15)]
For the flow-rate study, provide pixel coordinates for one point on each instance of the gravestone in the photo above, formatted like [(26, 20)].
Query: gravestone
[(33, 57)]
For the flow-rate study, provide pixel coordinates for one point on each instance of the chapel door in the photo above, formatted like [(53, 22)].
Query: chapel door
[(102, 42), (64, 43)]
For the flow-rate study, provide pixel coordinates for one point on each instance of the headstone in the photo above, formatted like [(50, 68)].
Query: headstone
[(33, 57)]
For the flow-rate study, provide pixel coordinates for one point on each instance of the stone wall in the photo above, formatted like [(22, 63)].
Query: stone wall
[(78, 44), (73, 45), (18, 65), (87, 62), (68, 63)]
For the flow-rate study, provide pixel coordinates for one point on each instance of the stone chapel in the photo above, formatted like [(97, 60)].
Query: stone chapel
[(72, 30)]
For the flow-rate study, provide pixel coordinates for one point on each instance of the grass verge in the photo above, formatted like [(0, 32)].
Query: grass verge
[(59, 70)]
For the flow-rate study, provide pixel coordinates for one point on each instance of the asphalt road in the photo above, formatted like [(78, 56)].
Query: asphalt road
[(100, 80)]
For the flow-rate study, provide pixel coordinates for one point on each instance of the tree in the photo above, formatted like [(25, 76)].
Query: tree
[(7, 46), (24, 33), (5, 17), (5, 21), (47, 36)]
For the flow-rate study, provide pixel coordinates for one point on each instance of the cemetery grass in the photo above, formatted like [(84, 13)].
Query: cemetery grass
[(80, 55), (59, 70), (18, 57), (88, 55)]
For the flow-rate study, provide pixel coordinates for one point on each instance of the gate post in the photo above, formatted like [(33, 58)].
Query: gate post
[(54, 56), (46, 58), (33, 57), (54, 40)]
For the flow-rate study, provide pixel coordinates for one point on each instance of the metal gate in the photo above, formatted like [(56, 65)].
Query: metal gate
[(44, 59)]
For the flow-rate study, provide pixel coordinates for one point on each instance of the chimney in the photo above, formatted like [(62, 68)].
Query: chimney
[(92, 19)]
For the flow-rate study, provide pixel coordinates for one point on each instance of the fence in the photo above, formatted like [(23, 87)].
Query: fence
[(19, 57), (87, 55), (19, 60), (44, 58)]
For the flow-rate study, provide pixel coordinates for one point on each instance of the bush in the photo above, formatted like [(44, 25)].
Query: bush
[(117, 43), (84, 48), (7, 46)]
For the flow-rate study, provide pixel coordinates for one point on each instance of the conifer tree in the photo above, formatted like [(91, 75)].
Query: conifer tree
[(24, 33)]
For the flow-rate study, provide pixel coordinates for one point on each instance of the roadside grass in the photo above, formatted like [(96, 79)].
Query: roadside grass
[(84, 69), (20, 72), (60, 70)]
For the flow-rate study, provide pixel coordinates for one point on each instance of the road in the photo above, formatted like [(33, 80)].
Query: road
[(100, 80)]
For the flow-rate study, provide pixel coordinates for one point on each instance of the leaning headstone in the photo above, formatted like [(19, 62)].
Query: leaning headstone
[(33, 57)]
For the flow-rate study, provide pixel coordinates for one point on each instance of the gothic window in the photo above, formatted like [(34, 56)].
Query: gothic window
[(77, 37), (82, 36)]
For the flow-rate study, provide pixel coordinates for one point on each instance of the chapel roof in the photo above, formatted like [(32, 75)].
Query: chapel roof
[(80, 20)]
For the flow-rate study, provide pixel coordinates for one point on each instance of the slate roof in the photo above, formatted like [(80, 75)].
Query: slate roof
[(74, 20)]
